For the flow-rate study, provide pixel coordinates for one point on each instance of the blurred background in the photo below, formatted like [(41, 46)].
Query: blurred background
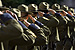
[(15, 3)]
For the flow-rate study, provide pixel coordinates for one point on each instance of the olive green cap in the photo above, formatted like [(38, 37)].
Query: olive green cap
[(23, 8), (72, 10), (43, 6), (32, 8), (73, 13), (16, 11), (4, 8), (56, 6), (1, 6), (64, 7)]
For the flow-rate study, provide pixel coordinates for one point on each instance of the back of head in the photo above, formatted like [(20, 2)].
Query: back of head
[(64, 7), (23, 8), (43, 6), (32, 8), (56, 6)]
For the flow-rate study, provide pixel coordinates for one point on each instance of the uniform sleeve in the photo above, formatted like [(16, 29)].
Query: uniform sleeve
[(57, 14), (23, 26), (70, 23), (28, 38), (46, 31), (41, 39), (5, 17), (74, 16), (70, 17), (44, 28), (53, 22), (39, 23), (12, 30), (33, 27), (46, 15)]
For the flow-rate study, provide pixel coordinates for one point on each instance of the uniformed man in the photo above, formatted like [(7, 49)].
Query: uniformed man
[(40, 40), (73, 33), (33, 9), (50, 21), (60, 21), (27, 38), (7, 19), (61, 26), (34, 16), (10, 28), (67, 41), (72, 28)]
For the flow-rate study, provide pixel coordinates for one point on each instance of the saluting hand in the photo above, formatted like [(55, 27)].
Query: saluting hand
[(12, 14), (65, 13), (70, 13), (1, 13), (52, 11), (41, 13), (33, 19)]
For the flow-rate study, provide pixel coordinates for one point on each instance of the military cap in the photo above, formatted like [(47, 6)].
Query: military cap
[(43, 6), (23, 8), (64, 7), (4, 8), (16, 11), (72, 10), (1, 6), (74, 14), (56, 6), (32, 8)]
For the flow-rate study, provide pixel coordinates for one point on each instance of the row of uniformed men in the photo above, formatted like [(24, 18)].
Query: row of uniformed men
[(33, 29)]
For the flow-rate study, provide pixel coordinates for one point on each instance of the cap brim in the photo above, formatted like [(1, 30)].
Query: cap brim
[(59, 10), (4, 8), (24, 11), (74, 13), (42, 9), (33, 11)]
